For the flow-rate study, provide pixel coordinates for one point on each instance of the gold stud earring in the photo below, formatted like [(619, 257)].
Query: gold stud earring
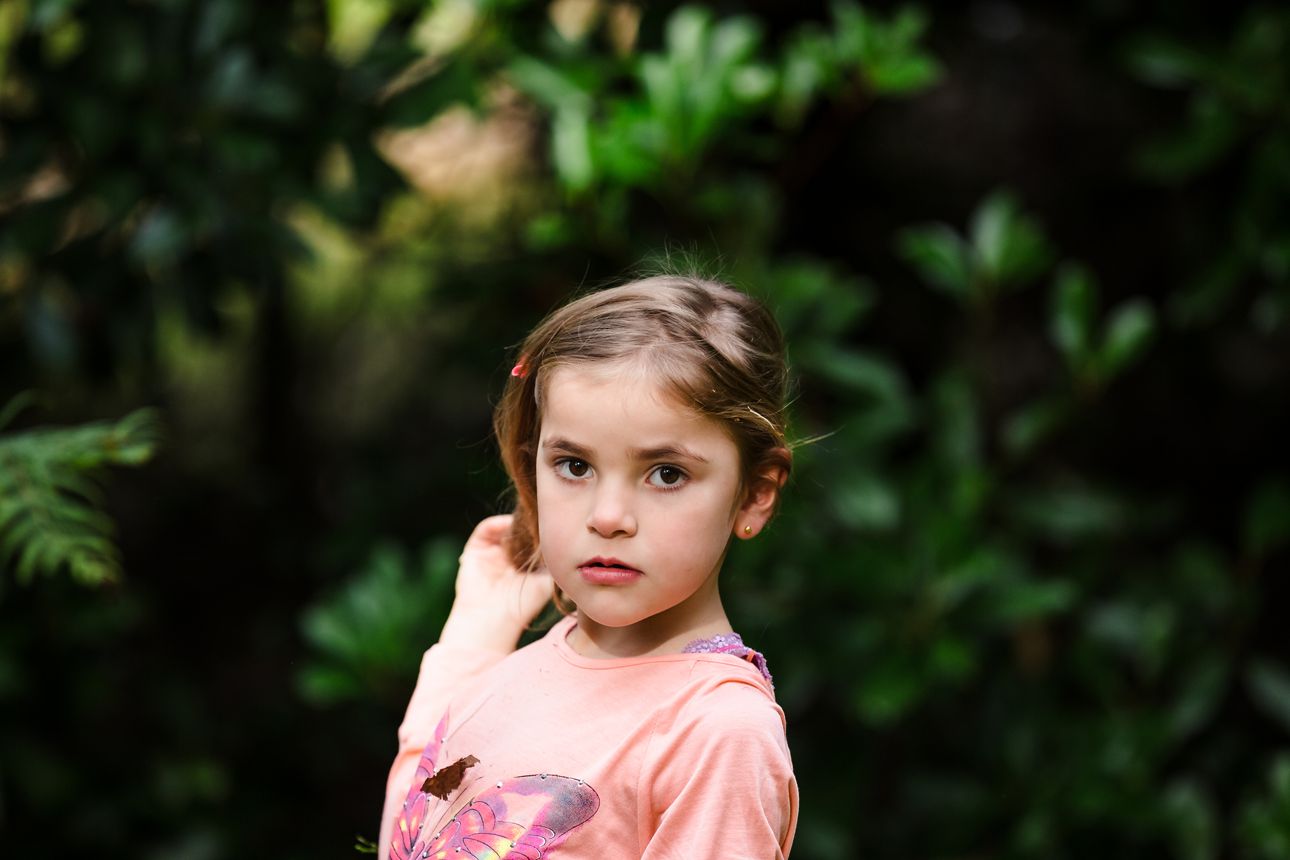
[(747, 530)]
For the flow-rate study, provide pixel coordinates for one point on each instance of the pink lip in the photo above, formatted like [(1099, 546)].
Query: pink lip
[(598, 571)]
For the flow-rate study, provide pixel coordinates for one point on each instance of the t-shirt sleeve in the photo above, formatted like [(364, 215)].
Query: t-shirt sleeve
[(722, 781), (445, 671)]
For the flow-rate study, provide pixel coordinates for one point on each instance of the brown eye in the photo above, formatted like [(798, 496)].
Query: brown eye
[(667, 477), (572, 468)]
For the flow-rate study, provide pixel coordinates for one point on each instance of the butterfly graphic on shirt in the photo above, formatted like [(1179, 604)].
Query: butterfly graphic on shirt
[(445, 780), (517, 819), (521, 818)]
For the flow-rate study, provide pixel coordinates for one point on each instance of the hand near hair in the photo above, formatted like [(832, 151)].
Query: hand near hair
[(494, 602)]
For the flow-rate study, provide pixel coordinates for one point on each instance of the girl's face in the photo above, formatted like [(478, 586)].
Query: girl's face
[(637, 498)]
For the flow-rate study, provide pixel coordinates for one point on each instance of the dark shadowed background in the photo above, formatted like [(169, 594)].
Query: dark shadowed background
[(1034, 268)]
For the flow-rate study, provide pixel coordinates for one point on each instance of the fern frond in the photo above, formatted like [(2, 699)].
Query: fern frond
[(16, 404), (50, 497)]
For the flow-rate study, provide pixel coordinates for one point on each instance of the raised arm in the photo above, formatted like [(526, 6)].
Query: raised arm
[(493, 605), (494, 602)]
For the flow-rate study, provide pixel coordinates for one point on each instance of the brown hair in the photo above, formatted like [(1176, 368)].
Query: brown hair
[(711, 346)]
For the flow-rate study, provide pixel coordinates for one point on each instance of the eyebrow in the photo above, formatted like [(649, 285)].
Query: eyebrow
[(663, 452)]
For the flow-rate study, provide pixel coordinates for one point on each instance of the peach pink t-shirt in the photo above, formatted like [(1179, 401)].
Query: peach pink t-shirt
[(662, 757)]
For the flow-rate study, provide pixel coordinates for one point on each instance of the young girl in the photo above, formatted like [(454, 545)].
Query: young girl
[(642, 427)]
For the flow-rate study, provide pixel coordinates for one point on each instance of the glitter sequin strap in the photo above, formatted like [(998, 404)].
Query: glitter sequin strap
[(730, 643)]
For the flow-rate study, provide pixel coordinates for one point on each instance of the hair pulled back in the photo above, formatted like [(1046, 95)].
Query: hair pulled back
[(710, 346)]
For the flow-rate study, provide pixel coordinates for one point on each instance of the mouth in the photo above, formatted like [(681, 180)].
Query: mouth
[(607, 564), (608, 571)]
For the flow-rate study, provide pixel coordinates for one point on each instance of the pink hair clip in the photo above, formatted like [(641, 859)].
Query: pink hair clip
[(521, 368)]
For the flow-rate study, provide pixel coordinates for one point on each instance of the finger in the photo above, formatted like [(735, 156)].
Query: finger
[(536, 590), (539, 573), (540, 581), (491, 530)]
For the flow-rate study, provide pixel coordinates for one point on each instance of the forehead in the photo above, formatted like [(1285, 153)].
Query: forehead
[(621, 402)]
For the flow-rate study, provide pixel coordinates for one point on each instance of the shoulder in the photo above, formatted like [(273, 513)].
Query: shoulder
[(733, 697), (726, 721), (734, 687), (721, 766)]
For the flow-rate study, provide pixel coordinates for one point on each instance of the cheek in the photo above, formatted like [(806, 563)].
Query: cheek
[(705, 523), (543, 488), (549, 507)]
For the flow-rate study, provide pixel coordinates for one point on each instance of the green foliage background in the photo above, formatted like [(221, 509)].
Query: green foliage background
[(1034, 268)]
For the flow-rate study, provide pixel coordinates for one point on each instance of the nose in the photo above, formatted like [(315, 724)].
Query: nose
[(612, 513)]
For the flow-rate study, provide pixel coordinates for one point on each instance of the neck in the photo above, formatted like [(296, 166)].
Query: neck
[(646, 638)]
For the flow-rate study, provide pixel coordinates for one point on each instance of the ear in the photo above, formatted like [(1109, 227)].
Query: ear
[(762, 495)]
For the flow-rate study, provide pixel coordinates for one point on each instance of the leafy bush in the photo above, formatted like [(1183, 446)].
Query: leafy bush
[(50, 506), (1021, 598), (367, 635)]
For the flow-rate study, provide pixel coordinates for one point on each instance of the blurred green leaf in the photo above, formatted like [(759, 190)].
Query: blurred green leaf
[(734, 42), (1264, 820), (1070, 512), (571, 148), (1209, 293), (1027, 599), (415, 104), (367, 635), (862, 372), (1199, 697), (353, 25), (1142, 633), (48, 14), (64, 41), (20, 401), (866, 502), (886, 52), (1259, 43), (1010, 247), (940, 256), (1005, 248), (901, 75), (49, 516), (957, 432), (814, 299), (1269, 687), (687, 36), (1167, 63), (1128, 331), (161, 238), (854, 31), (753, 83), (1211, 133), (886, 691), (985, 570), (1266, 526), (1034, 423), (551, 85), (952, 659), (1074, 307), (808, 67), (1193, 818)]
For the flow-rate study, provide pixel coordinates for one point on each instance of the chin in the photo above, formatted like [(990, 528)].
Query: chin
[(616, 617), (615, 620)]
